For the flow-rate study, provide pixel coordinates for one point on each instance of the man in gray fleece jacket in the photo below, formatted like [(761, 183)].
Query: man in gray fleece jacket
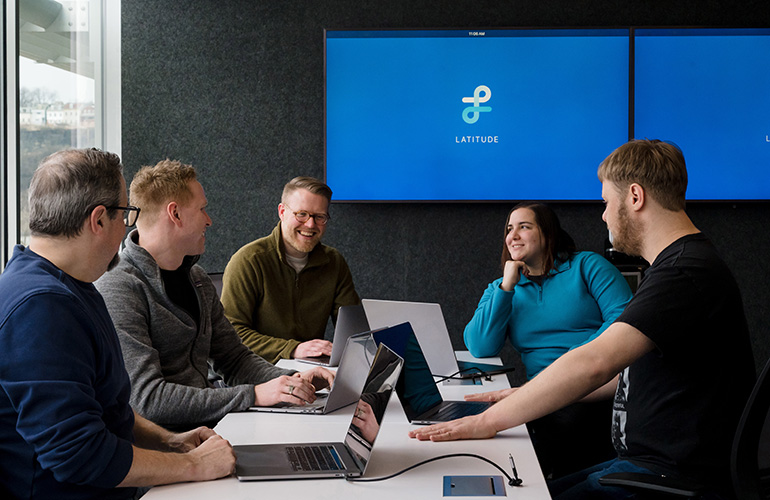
[(170, 321)]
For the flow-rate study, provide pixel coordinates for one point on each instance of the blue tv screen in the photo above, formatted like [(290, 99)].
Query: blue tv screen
[(708, 91), (473, 115)]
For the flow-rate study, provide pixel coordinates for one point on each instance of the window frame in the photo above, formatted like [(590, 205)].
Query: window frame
[(107, 78)]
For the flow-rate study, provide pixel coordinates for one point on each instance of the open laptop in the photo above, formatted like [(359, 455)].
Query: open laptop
[(350, 320), (428, 323), (416, 388), (326, 460), (357, 357)]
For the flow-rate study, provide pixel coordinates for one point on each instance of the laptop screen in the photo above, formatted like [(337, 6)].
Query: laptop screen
[(428, 324), (367, 417), (416, 387)]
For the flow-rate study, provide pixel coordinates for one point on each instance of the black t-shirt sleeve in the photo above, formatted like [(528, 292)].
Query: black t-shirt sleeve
[(663, 308)]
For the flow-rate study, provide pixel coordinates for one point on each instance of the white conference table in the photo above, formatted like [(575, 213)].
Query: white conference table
[(393, 451)]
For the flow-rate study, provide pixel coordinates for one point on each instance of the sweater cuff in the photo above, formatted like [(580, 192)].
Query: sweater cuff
[(290, 346)]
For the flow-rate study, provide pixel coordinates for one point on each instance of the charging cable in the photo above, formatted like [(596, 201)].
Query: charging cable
[(512, 480), (481, 374)]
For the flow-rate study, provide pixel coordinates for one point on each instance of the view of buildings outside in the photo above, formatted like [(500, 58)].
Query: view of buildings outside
[(56, 89)]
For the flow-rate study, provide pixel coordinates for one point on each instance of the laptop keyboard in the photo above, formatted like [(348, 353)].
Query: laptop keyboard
[(312, 458)]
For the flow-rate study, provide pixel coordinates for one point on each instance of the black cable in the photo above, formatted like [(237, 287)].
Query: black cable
[(511, 481), (481, 374)]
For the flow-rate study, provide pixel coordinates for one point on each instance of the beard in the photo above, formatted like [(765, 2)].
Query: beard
[(627, 237), (298, 243), (303, 246)]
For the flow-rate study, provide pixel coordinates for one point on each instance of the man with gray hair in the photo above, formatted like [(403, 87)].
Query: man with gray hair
[(66, 427), (279, 291)]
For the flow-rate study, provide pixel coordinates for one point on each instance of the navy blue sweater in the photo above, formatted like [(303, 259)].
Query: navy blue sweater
[(66, 427)]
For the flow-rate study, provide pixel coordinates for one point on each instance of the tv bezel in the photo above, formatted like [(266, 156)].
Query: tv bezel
[(631, 104)]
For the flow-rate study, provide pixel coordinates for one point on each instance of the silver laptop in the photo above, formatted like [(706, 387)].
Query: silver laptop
[(357, 357), (416, 388), (350, 320), (326, 460), (428, 323)]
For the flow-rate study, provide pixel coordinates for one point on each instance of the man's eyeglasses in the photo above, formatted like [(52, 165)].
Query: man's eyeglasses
[(302, 216), (130, 214)]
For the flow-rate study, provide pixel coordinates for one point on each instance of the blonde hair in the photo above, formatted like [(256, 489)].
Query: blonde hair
[(309, 183), (657, 166), (155, 186)]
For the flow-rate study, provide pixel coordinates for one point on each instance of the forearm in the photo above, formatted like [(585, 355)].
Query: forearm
[(152, 463), (485, 333), (272, 349), (573, 376), (234, 360), (245, 367), (568, 379), (607, 391), (196, 455), (555, 387), (150, 436), (152, 468)]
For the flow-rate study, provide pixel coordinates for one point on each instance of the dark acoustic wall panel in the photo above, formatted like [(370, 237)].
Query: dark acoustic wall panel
[(236, 89)]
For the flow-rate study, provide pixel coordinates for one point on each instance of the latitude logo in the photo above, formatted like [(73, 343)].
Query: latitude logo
[(471, 114)]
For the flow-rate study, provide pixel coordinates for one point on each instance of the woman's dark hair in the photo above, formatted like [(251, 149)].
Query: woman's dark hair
[(558, 244)]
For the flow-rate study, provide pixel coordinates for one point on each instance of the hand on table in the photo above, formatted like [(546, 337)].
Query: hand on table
[(214, 458), (186, 441), (473, 427), (284, 389), (313, 348)]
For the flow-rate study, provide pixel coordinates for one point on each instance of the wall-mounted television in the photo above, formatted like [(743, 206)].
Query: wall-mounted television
[(512, 114), (473, 115), (708, 90)]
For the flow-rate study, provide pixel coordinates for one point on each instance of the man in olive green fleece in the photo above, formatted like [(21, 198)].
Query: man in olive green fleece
[(279, 291)]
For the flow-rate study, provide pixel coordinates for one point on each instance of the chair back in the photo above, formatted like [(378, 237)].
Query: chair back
[(750, 480)]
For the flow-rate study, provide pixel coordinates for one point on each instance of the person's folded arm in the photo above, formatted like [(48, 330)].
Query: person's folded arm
[(486, 332)]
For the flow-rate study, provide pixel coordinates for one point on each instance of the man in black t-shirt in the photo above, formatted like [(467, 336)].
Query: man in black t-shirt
[(677, 409), (681, 345)]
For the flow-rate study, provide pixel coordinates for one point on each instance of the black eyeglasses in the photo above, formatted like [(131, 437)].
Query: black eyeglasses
[(130, 214), (302, 216)]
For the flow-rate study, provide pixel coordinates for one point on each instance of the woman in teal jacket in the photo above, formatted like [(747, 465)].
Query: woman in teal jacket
[(551, 299)]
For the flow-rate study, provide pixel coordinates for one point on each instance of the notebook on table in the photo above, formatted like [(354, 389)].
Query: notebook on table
[(350, 321), (348, 458), (416, 388), (428, 323), (357, 356)]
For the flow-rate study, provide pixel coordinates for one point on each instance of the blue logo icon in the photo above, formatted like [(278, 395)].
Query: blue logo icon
[(471, 113)]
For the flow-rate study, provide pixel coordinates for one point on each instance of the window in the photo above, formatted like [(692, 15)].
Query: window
[(62, 88)]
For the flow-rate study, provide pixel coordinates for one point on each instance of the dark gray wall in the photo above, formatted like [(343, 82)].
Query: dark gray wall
[(236, 88)]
